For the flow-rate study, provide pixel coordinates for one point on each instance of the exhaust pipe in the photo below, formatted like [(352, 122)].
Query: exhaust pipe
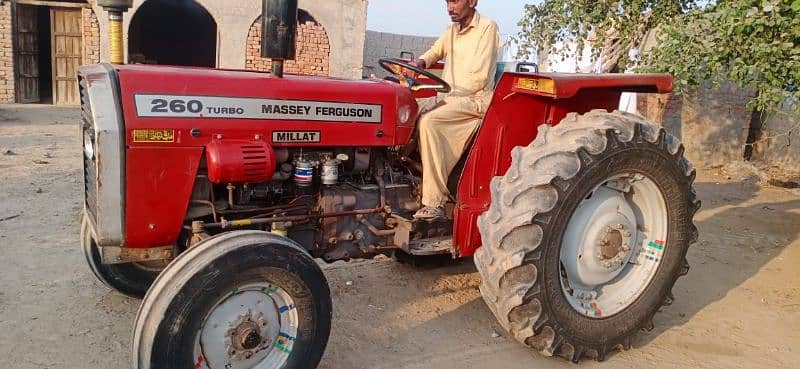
[(278, 32), (115, 8)]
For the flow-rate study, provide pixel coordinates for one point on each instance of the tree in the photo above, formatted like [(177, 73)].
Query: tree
[(753, 43), (612, 26)]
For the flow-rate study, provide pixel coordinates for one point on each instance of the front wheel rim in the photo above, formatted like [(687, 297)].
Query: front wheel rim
[(252, 327), (613, 245)]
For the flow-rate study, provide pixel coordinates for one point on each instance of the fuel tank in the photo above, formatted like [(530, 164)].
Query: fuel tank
[(193, 106)]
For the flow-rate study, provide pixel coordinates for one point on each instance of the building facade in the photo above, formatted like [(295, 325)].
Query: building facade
[(42, 43)]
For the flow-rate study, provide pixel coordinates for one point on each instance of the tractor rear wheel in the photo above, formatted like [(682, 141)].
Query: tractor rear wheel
[(243, 299), (587, 233), (130, 279)]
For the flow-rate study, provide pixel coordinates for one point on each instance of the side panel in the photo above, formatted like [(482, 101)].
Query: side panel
[(513, 120), (160, 182)]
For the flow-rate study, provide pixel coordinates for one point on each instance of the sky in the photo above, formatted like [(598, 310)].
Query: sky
[(429, 17)]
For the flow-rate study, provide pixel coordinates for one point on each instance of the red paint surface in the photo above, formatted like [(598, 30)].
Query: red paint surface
[(159, 185)]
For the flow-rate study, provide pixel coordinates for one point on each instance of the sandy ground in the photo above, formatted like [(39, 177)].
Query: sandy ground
[(739, 307)]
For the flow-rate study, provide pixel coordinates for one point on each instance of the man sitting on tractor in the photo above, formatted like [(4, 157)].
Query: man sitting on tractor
[(469, 45)]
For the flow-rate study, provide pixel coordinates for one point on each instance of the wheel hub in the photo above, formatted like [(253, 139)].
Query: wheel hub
[(598, 238), (250, 339), (251, 328), (604, 266), (246, 336), (613, 248)]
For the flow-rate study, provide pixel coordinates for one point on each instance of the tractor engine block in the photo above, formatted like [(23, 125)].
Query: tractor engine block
[(352, 198)]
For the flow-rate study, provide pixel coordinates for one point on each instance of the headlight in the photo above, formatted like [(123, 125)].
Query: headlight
[(403, 114), (88, 145)]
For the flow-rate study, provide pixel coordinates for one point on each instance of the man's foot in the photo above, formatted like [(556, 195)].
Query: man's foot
[(430, 213)]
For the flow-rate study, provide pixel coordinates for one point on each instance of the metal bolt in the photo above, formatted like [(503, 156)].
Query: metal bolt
[(258, 137), (262, 322), (619, 226), (151, 226), (248, 354), (602, 243), (607, 264), (359, 234), (218, 136), (600, 255), (626, 233), (626, 247)]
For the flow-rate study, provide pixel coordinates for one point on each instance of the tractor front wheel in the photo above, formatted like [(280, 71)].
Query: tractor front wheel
[(243, 299), (130, 279), (587, 233)]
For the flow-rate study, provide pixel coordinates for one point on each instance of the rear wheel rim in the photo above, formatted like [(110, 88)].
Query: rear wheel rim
[(613, 245), (252, 327)]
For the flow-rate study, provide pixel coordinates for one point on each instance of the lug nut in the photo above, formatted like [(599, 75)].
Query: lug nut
[(625, 247)]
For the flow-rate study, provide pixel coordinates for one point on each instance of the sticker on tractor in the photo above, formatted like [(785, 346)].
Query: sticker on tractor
[(544, 85), (171, 106), (296, 136), (153, 135)]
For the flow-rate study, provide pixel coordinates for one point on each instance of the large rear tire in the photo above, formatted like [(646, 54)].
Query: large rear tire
[(587, 233), (243, 299), (129, 279)]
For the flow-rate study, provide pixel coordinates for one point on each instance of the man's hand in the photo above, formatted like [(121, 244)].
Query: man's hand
[(419, 63)]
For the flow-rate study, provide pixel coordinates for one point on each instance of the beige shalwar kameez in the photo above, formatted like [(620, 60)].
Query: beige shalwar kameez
[(450, 119)]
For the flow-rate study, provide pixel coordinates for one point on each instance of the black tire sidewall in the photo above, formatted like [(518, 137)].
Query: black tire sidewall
[(282, 266), (127, 279), (655, 162)]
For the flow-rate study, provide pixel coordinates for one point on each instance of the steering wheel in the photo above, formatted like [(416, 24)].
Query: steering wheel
[(397, 66)]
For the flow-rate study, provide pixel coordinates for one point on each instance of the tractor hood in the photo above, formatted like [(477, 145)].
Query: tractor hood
[(192, 106)]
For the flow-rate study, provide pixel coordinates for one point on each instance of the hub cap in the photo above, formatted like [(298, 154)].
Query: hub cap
[(613, 244), (254, 327)]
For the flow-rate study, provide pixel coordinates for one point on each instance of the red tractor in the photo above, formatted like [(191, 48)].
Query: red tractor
[(211, 193)]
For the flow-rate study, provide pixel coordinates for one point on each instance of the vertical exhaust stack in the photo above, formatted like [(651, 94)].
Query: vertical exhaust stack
[(278, 32), (115, 8)]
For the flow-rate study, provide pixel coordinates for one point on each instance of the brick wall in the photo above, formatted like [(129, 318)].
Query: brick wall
[(6, 55), (712, 123), (313, 49), (91, 37), (381, 44)]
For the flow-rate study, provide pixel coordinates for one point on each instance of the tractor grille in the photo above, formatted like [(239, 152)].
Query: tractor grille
[(89, 164)]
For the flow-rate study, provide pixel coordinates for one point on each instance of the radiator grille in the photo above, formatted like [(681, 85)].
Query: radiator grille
[(89, 164)]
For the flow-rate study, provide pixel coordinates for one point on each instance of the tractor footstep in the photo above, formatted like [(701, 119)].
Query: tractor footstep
[(431, 246)]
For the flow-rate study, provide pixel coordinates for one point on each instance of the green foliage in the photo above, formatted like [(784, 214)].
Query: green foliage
[(754, 43), (554, 24)]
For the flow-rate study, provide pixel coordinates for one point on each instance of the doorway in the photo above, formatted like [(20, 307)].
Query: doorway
[(173, 32), (49, 51)]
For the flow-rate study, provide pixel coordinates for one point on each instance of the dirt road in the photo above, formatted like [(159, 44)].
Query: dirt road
[(739, 307)]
